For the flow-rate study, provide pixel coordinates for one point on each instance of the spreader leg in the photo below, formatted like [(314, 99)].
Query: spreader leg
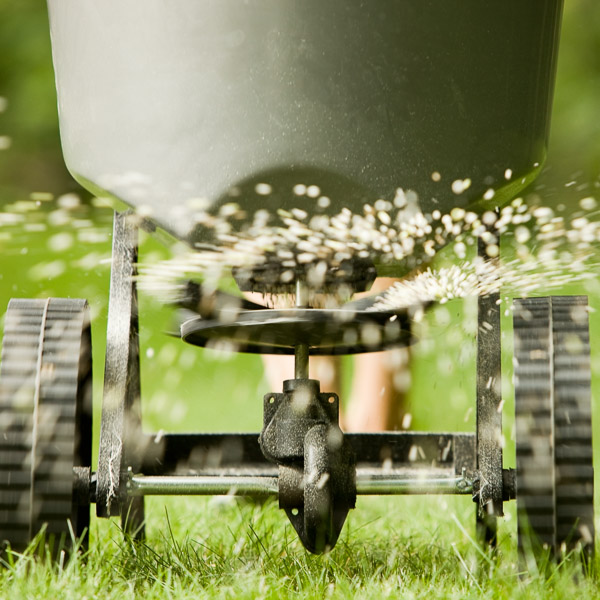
[(120, 432), (489, 414)]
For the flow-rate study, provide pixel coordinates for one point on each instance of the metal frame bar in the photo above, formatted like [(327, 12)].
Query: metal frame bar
[(387, 463), (489, 412), (366, 484), (121, 410), (212, 453)]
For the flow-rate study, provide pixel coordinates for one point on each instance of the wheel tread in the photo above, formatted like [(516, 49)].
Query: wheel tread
[(61, 327), (553, 421)]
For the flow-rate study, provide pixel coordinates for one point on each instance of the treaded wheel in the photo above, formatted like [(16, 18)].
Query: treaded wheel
[(45, 421), (555, 479)]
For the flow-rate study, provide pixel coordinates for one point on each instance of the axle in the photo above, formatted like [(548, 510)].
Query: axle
[(415, 483)]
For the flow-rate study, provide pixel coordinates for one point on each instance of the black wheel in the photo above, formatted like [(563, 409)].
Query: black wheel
[(555, 479), (45, 422)]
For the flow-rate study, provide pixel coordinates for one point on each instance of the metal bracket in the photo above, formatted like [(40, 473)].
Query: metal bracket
[(289, 416), (509, 486), (316, 481)]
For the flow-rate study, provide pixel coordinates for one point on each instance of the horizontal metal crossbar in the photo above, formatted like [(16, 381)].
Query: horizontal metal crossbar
[(417, 482), (233, 453)]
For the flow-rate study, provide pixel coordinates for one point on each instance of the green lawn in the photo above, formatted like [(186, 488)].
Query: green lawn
[(390, 548)]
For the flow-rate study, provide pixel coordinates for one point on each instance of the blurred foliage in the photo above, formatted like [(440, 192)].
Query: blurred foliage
[(575, 134), (33, 161)]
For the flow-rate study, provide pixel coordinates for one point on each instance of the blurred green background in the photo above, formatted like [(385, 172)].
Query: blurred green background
[(54, 245)]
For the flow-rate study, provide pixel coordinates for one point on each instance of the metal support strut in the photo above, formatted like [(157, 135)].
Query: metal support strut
[(488, 491), (301, 361), (121, 415), (301, 350)]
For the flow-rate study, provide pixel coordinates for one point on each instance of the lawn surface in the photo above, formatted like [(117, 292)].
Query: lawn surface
[(390, 548)]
